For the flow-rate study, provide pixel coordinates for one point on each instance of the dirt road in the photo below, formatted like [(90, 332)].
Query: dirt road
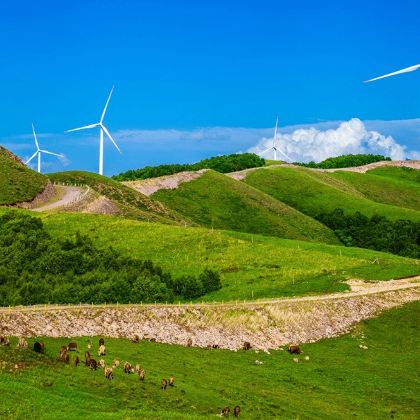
[(71, 194)]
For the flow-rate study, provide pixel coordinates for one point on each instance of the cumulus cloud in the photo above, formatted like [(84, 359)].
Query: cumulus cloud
[(306, 144)]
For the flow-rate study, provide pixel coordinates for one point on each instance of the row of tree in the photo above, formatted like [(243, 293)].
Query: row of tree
[(401, 237), (345, 161), (36, 268), (223, 164)]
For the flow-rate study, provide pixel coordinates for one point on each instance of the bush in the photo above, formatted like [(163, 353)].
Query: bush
[(223, 164), (36, 268), (345, 161)]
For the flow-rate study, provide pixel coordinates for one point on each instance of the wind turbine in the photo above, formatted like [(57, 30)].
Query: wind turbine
[(273, 147), (406, 70), (39, 152), (102, 130)]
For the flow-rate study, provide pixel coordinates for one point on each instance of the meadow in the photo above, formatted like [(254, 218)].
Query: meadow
[(340, 380), (251, 266)]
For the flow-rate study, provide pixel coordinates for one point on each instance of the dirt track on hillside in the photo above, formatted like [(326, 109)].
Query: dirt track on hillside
[(266, 324)]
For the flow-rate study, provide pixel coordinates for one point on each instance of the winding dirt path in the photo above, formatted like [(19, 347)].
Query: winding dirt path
[(71, 194)]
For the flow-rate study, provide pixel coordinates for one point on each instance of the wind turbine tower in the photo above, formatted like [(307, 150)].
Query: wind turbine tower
[(102, 130), (274, 147), (39, 151)]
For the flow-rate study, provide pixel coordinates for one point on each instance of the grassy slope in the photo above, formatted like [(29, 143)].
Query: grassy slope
[(315, 192), (18, 183), (132, 203), (224, 203), (249, 264), (407, 174), (384, 189), (339, 381)]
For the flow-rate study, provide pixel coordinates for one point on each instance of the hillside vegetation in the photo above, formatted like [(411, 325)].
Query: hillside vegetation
[(251, 266), (215, 200), (18, 183), (132, 204), (223, 164), (346, 161), (339, 380), (314, 192)]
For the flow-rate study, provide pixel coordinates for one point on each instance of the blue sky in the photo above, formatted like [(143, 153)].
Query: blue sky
[(192, 66)]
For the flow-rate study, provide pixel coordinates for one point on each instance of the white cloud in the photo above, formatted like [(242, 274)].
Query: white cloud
[(311, 143)]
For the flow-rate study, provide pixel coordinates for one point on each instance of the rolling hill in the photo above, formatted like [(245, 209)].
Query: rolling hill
[(18, 183), (215, 200), (314, 192)]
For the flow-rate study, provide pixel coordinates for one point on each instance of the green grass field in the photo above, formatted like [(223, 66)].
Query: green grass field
[(315, 192), (407, 174), (339, 380), (252, 266), (216, 200), (18, 183), (132, 203)]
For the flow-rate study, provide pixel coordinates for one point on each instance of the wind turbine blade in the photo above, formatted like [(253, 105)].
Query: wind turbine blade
[(110, 137), (31, 157), (275, 131), (267, 150), (406, 70), (51, 153), (83, 128), (106, 105), (36, 140), (284, 154)]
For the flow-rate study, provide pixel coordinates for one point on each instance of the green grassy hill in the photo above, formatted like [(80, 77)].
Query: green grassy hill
[(216, 200), (18, 183), (405, 173), (338, 381), (132, 203), (314, 192), (251, 266)]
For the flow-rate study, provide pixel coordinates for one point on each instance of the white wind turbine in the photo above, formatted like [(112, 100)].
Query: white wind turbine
[(406, 70), (274, 147), (102, 129), (39, 152)]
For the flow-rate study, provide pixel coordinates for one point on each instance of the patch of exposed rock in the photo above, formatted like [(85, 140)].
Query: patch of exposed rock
[(46, 195), (265, 325), (167, 182)]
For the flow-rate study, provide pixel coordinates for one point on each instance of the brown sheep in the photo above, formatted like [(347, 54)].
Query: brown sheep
[(101, 342), (76, 361), (141, 374), (108, 373), (64, 356), (163, 384), (128, 368), (237, 411), (92, 364), (215, 346), (225, 411), (22, 343), (171, 381), (189, 342), (87, 358), (247, 345), (115, 363), (38, 347), (101, 363), (294, 349), (72, 347), (102, 350)]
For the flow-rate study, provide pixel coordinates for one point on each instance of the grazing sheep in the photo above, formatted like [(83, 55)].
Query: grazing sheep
[(163, 384), (294, 349), (5, 342), (39, 347), (128, 368), (101, 342), (237, 411), (137, 369), (101, 363), (171, 381), (141, 374), (108, 373), (215, 346), (92, 364), (247, 345), (115, 363), (72, 347), (22, 343), (87, 358), (76, 361), (101, 351), (136, 339), (189, 342), (64, 356), (226, 411)]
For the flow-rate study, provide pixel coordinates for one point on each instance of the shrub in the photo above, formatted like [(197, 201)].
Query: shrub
[(345, 161)]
